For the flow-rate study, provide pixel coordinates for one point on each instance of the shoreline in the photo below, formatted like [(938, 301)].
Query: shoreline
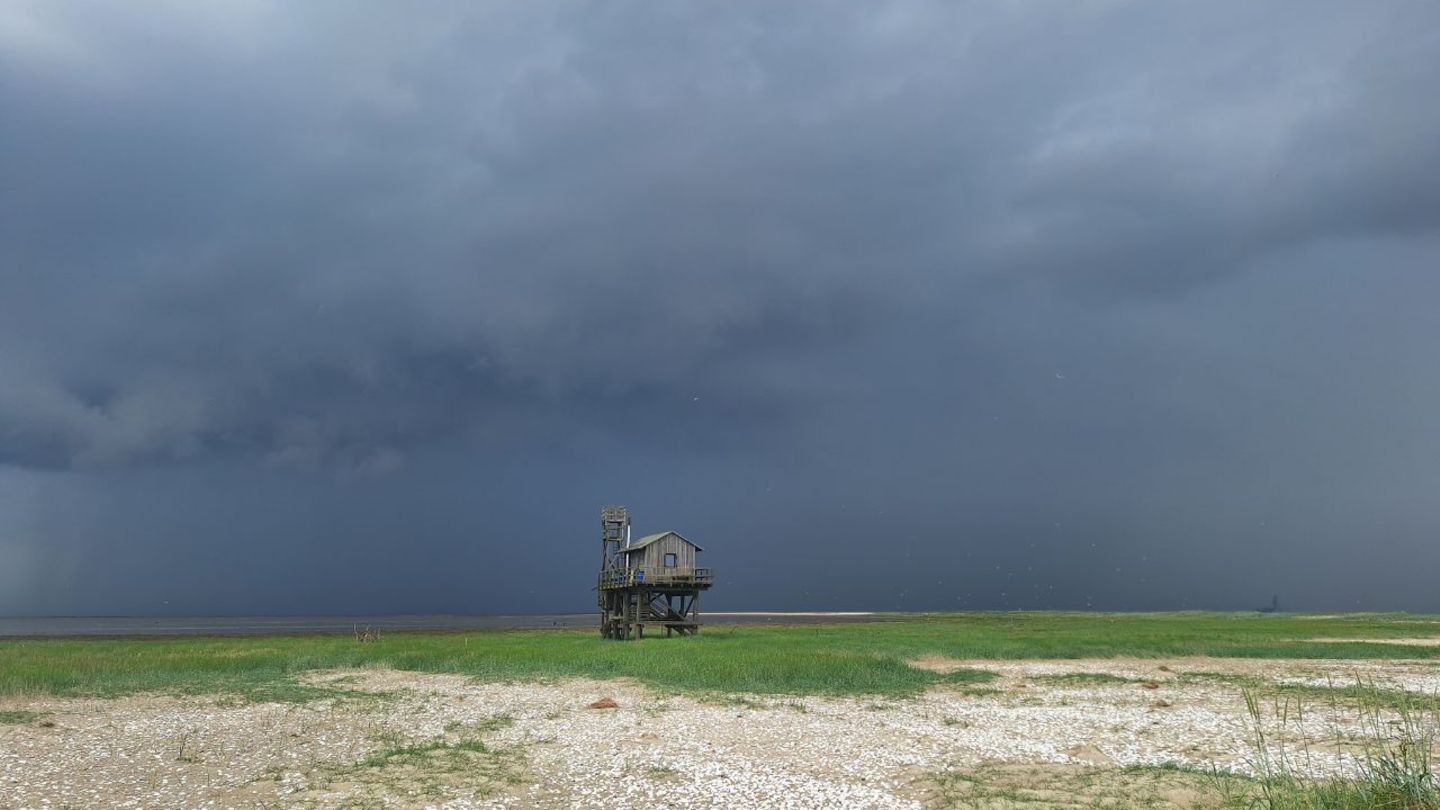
[(78, 627)]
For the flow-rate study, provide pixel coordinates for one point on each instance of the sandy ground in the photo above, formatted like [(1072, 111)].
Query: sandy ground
[(446, 741), (1404, 642)]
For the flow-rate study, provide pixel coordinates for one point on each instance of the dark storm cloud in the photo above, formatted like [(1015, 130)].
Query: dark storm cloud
[(995, 281)]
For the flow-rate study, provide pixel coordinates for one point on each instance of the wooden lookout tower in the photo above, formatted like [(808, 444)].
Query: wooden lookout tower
[(651, 580)]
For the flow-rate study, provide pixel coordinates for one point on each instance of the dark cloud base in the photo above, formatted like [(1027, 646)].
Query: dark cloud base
[(325, 310)]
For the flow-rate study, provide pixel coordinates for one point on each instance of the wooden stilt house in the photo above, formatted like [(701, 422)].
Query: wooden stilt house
[(652, 580)]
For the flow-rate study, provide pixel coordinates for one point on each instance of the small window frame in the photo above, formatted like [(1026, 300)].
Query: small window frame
[(671, 560)]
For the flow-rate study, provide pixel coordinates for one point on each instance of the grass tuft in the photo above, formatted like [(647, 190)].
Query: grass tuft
[(1085, 679), (968, 676), (18, 717), (1396, 763), (423, 753)]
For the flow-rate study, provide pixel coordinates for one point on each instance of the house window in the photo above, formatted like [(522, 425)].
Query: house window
[(669, 560)]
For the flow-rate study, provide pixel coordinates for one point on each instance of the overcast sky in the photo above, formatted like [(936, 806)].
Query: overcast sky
[(337, 307)]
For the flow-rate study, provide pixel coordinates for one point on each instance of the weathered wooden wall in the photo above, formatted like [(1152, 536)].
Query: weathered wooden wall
[(652, 557)]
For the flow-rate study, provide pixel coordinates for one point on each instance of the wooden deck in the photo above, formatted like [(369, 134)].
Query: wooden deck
[(656, 578)]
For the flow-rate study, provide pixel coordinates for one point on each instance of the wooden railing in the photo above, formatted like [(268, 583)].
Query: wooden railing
[(627, 577)]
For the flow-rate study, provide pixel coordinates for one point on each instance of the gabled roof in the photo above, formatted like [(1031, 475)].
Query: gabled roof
[(650, 538)]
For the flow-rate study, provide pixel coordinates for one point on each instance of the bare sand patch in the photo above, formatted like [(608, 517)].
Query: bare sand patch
[(449, 741), (1404, 642), (1419, 675)]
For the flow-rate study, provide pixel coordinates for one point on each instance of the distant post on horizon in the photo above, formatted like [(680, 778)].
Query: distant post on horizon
[(652, 580)]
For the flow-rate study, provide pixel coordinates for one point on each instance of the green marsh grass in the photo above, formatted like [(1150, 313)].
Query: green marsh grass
[(851, 658)]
